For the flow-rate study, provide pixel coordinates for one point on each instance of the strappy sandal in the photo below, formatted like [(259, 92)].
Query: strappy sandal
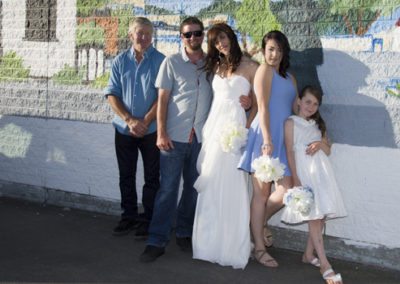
[(336, 278), (267, 237), (315, 261), (265, 259)]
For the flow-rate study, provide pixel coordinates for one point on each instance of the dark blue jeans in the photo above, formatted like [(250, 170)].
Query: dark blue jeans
[(174, 164), (127, 149)]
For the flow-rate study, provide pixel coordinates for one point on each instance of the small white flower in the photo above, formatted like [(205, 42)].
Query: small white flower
[(268, 169), (299, 199), (233, 137)]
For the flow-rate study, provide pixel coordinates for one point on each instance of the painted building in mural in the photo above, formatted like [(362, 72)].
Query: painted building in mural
[(55, 131)]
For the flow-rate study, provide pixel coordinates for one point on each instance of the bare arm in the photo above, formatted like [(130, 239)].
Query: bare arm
[(253, 110), (290, 152), (295, 107), (151, 114), (251, 70), (136, 126), (163, 140), (262, 88)]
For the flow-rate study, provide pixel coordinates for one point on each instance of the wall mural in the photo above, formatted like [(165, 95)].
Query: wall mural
[(346, 47)]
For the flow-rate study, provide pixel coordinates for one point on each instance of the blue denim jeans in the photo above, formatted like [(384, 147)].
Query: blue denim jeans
[(174, 164)]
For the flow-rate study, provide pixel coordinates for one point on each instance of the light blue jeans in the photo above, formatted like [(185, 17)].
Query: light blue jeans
[(174, 164)]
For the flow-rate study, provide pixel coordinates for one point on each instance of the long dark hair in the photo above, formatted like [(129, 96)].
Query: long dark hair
[(214, 58), (283, 43), (317, 93)]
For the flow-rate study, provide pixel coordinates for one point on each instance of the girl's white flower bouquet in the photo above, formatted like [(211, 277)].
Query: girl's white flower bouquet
[(299, 199), (233, 137), (268, 169)]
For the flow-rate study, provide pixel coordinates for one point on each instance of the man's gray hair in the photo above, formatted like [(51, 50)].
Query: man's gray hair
[(139, 21)]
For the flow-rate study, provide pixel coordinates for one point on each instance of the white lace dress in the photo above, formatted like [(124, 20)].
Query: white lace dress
[(316, 172), (221, 232)]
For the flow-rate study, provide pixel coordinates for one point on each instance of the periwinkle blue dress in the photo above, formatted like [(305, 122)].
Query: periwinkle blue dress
[(283, 92)]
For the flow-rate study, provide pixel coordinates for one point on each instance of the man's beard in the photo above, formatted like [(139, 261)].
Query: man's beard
[(195, 47)]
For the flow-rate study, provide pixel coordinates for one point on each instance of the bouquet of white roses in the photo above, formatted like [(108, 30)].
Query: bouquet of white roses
[(233, 137), (268, 169), (299, 199)]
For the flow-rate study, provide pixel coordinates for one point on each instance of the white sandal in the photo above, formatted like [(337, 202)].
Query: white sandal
[(337, 278), (315, 261)]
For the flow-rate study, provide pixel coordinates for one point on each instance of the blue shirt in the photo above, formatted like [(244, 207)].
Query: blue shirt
[(190, 98), (134, 84)]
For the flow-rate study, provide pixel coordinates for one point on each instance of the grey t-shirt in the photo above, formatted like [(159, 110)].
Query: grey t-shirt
[(190, 97)]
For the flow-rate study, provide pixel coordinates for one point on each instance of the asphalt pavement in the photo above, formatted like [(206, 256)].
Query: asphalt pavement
[(46, 244)]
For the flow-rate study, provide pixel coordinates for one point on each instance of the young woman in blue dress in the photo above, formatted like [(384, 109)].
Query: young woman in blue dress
[(276, 92)]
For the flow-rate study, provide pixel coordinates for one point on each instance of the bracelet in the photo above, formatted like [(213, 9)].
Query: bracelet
[(263, 146)]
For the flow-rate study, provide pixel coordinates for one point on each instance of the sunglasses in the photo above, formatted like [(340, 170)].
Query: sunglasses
[(195, 33)]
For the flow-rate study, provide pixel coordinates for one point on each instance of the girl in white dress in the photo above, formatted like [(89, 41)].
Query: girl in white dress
[(221, 232), (307, 150)]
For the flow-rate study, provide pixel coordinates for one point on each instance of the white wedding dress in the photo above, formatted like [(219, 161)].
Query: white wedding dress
[(221, 232)]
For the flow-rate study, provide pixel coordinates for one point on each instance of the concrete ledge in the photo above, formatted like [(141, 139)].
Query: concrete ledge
[(59, 198), (343, 249)]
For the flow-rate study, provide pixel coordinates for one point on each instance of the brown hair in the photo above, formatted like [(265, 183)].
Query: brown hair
[(317, 93), (283, 43), (214, 58), (191, 21)]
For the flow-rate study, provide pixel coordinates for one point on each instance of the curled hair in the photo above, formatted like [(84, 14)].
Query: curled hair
[(191, 21), (283, 44), (317, 93), (214, 57)]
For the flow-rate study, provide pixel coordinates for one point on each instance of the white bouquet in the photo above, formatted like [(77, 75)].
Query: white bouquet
[(268, 169), (299, 199), (233, 137)]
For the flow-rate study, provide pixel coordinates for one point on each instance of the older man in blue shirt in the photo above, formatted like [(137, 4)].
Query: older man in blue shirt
[(132, 94)]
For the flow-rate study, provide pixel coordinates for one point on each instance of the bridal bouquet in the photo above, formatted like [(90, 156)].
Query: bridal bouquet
[(268, 169), (299, 199), (233, 137)]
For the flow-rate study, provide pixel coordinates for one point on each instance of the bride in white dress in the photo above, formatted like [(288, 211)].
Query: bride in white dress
[(221, 231)]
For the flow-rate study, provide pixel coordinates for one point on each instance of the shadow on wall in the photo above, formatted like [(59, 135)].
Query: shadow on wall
[(304, 66), (352, 118), (67, 155)]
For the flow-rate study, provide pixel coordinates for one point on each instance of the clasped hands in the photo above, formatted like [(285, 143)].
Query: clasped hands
[(137, 127)]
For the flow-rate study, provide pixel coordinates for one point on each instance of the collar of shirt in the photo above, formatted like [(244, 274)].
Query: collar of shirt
[(185, 57), (146, 54)]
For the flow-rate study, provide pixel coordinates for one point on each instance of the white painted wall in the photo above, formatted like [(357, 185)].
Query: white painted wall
[(369, 182), (68, 155), (36, 54), (79, 157)]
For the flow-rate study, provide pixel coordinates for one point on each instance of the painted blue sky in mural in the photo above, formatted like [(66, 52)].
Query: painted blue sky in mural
[(385, 23), (188, 7)]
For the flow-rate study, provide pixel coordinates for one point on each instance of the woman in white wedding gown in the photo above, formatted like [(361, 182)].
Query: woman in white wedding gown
[(221, 231)]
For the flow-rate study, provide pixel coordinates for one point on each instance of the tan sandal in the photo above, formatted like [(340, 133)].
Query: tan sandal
[(265, 259), (267, 237)]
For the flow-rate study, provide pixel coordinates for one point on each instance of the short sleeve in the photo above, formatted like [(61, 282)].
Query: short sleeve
[(165, 77)]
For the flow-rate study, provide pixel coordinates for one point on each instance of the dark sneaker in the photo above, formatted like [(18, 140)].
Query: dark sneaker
[(185, 243), (142, 232), (124, 227), (151, 253)]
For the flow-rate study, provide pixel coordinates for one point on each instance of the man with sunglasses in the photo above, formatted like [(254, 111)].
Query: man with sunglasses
[(184, 100), (133, 97)]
